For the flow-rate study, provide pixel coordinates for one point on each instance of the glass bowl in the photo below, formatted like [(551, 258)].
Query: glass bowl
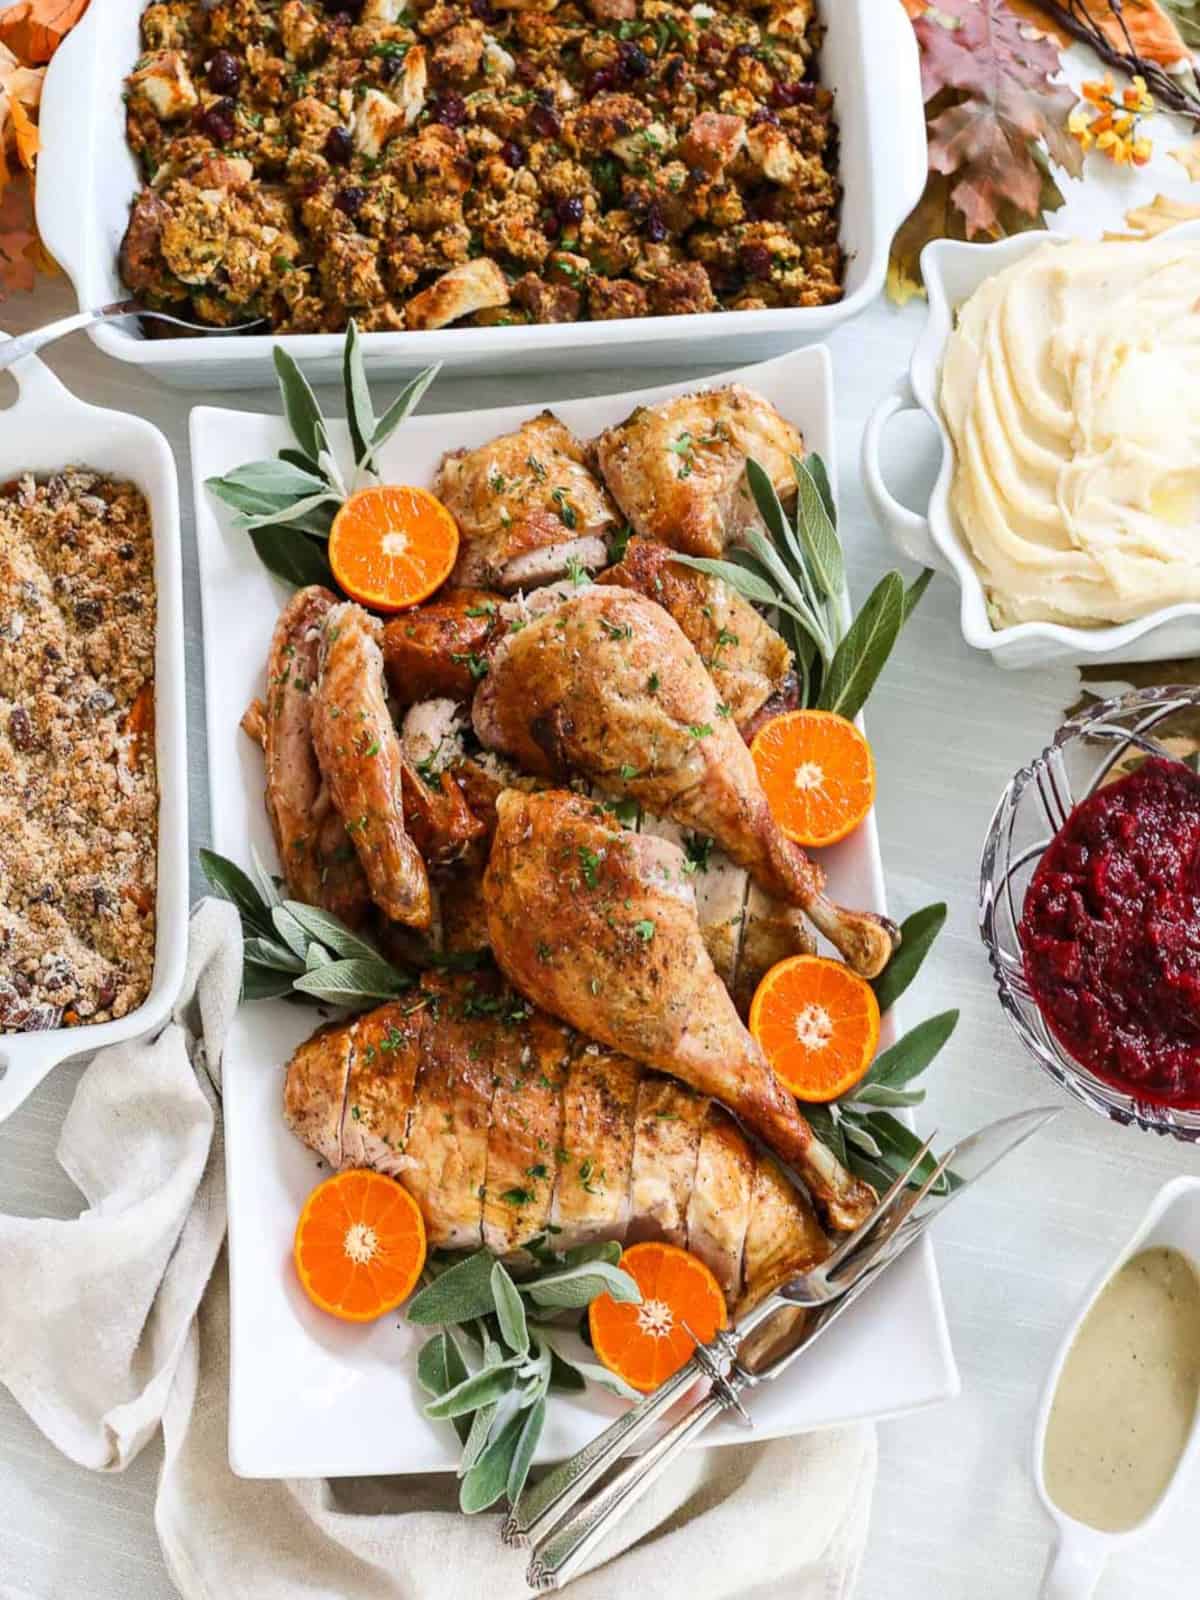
[(1032, 809)]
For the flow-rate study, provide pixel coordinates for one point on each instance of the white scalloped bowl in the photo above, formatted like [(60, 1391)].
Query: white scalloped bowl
[(952, 272)]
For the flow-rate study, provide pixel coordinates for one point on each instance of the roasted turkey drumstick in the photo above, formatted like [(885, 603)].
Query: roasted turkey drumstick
[(598, 925), (607, 686), (500, 1122)]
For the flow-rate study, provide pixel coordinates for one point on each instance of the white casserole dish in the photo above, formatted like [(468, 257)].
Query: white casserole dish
[(48, 429), (88, 178), (952, 272)]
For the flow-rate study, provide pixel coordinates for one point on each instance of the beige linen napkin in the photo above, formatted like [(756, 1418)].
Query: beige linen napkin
[(117, 1322)]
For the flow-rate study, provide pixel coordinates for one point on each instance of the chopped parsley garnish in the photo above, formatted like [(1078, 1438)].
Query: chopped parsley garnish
[(589, 861), (497, 482), (644, 930), (538, 1171), (536, 467), (487, 609), (566, 511), (625, 772), (700, 730), (698, 847), (577, 572), (617, 630), (516, 1197), (653, 683), (476, 665)]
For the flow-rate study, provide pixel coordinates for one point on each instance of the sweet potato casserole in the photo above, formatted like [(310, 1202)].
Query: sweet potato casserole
[(78, 790), (490, 162)]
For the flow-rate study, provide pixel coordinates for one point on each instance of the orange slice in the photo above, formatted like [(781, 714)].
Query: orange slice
[(818, 1025), (645, 1344), (360, 1245), (392, 545), (817, 772)]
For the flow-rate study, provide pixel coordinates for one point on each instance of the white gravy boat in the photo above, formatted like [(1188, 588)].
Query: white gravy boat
[(1172, 1221)]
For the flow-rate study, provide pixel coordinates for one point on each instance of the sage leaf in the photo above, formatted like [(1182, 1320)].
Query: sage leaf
[(564, 1378), (293, 515), (905, 1060), (480, 1389), (344, 983), (316, 956), (814, 466), (598, 1250), (264, 983), (271, 953), (251, 501), (912, 595), (747, 583), (460, 1294), (264, 880), (862, 653), (292, 556), (817, 531), (360, 415), (273, 479), (917, 934), (510, 1312), (880, 1094), (298, 459), (488, 1478), (322, 925), (231, 883), (592, 1372), (527, 1443), (829, 1131), (401, 408), (579, 1286), (899, 1146), (858, 1136), (477, 1437), (440, 1368), (290, 931), (300, 406)]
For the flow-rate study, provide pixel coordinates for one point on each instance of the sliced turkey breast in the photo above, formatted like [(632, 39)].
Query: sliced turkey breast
[(668, 1123), (526, 1131), (718, 1212), (591, 1196)]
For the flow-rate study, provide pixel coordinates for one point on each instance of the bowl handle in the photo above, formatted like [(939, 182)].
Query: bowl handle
[(26, 1063), (1075, 1565), (908, 530)]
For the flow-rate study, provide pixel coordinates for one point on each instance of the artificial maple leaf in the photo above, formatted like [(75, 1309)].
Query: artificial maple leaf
[(34, 29), (18, 237), (1003, 104), (1160, 214), (20, 92), (1155, 36)]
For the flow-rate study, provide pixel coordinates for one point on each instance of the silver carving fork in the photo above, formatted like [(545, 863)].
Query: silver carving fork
[(565, 1515)]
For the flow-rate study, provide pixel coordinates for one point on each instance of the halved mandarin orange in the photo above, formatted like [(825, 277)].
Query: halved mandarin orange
[(817, 772), (359, 1245), (818, 1025), (646, 1343), (392, 545)]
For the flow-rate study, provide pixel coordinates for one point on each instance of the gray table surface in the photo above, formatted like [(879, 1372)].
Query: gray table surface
[(955, 1513)]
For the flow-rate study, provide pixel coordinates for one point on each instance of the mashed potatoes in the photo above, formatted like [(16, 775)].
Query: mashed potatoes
[(1071, 388)]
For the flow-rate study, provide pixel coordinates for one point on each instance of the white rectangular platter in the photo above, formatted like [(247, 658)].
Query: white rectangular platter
[(311, 1397)]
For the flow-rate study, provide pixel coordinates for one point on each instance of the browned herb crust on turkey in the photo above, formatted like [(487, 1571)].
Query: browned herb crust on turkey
[(78, 790), (487, 163)]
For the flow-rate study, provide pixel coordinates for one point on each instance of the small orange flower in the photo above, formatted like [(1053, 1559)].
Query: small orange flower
[(1113, 126)]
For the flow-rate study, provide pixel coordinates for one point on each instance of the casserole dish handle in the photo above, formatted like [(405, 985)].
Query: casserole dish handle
[(908, 530), (37, 385), (25, 1059)]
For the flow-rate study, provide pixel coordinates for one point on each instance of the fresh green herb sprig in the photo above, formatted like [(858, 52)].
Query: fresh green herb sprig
[(296, 950), (797, 569), (287, 505), (500, 1353), (860, 1127)]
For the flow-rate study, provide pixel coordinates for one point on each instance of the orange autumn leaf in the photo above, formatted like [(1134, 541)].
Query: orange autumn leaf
[(18, 238), (34, 29), (25, 134), (1155, 36)]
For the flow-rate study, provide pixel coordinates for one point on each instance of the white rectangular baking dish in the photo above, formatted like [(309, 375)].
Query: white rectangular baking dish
[(310, 1397), (87, 178), (48, 429), (952, 272)]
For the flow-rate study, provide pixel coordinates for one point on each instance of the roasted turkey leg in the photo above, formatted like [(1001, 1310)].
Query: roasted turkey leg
[(608, 686), (598, 925)]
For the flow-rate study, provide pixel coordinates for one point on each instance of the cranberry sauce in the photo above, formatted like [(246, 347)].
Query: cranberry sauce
[(1111, 933)]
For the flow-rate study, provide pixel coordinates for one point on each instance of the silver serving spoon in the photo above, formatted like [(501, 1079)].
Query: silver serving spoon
[(14, 349)]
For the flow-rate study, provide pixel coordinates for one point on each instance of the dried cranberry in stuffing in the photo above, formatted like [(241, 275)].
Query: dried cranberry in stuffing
[(218, 124), (526, 72), (483, 10), (633, 62), (350, 201), (599, 82), (551, 227), (793, 94), (450, 110), (656, 228), (545, 122), (20, 729), (512, 154), (224, 72), (761, 115), (570, 210), (338, 146), (756, 260)]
